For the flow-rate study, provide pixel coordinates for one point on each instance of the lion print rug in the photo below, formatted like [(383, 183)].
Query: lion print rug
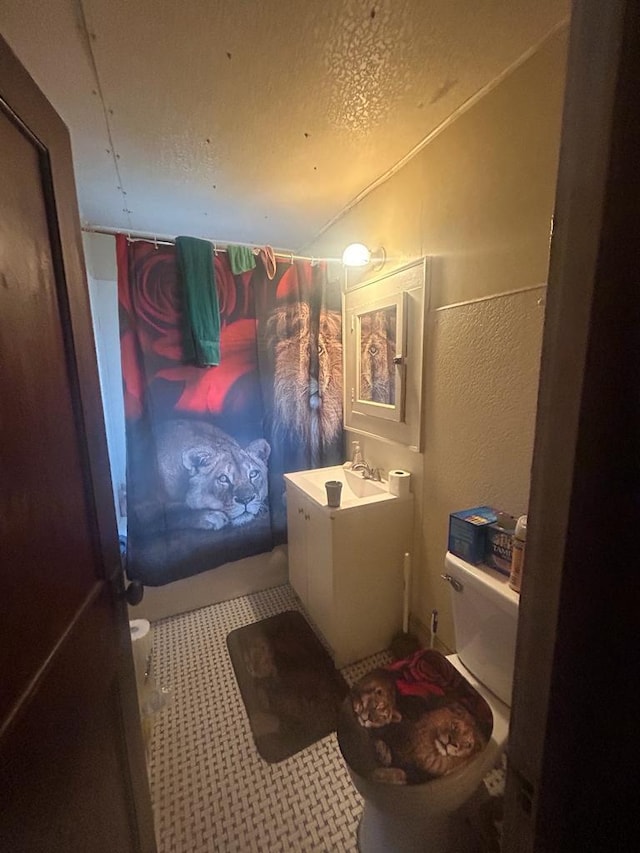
[(291, 690)]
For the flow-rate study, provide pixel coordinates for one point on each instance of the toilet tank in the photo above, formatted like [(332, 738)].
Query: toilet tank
[(485, 615)]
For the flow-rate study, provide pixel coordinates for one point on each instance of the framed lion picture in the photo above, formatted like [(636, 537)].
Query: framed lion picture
[(380, 359), (383, 353)]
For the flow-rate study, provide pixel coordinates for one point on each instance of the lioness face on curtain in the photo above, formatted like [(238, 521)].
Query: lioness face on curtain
[(207, 447)]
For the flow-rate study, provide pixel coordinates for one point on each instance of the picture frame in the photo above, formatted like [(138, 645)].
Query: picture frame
[(380, 334), (387, 310)]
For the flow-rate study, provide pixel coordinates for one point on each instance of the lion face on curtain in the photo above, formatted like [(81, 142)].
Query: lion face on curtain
[(307, 387)]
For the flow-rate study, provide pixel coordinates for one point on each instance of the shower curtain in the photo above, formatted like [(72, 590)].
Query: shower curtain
[(207, 446)]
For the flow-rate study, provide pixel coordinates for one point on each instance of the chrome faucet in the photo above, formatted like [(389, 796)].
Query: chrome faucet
[(368, 473)]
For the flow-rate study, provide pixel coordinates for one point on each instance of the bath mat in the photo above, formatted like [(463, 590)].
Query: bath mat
[(291, 690), (413, 721)]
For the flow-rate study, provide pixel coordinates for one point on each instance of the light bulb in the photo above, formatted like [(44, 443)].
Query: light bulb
[(356, 255)]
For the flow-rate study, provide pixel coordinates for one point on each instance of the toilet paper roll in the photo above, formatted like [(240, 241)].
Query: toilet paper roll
[(400, 483), (142, 643)]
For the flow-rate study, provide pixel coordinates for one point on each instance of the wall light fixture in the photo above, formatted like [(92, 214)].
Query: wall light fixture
[(359, 255)]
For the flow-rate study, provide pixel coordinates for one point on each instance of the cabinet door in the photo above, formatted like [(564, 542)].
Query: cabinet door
[(297, 550), (319, 539)]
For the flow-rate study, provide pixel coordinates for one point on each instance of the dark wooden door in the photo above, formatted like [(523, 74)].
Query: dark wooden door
[(72, 774), (573, 781)]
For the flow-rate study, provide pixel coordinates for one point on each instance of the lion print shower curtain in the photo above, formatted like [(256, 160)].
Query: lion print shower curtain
[(207, 446)]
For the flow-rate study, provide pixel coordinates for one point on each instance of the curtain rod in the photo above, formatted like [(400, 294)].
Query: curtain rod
[(167, 240)]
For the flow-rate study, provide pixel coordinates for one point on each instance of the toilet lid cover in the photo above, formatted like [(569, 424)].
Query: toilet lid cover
[(412, 721)]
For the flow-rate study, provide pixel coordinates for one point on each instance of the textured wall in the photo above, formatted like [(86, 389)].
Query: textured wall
[(478, 200), (482, 379)]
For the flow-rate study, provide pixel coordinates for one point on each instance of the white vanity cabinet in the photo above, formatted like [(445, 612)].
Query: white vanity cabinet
[(346, 566)]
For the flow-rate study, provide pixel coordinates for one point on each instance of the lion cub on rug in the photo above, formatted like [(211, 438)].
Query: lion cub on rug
[(284, 685), (414, 747)]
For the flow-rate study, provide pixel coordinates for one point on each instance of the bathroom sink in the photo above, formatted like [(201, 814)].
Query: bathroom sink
[(356, 490), (362, 487)]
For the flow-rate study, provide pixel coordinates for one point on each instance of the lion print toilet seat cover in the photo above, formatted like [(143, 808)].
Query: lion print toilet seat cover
[(412, 721)]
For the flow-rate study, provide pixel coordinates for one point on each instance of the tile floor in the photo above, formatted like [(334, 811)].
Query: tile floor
[(211, 790)]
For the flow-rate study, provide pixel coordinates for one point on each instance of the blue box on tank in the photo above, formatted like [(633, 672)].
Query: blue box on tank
[(468, 532)]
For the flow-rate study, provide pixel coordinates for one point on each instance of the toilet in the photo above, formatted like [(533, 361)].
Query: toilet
[(422, 818)]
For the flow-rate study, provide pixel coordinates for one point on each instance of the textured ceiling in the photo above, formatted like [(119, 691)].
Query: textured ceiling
[(256, 121)]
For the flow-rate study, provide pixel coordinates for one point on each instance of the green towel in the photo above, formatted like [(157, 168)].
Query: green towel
[(202, 332), (241, 259)]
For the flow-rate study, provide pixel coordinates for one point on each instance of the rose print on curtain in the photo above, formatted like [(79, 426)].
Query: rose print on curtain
[(207, 447)]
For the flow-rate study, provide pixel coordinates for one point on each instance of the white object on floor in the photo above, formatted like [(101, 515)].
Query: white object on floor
[(142, 645)]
